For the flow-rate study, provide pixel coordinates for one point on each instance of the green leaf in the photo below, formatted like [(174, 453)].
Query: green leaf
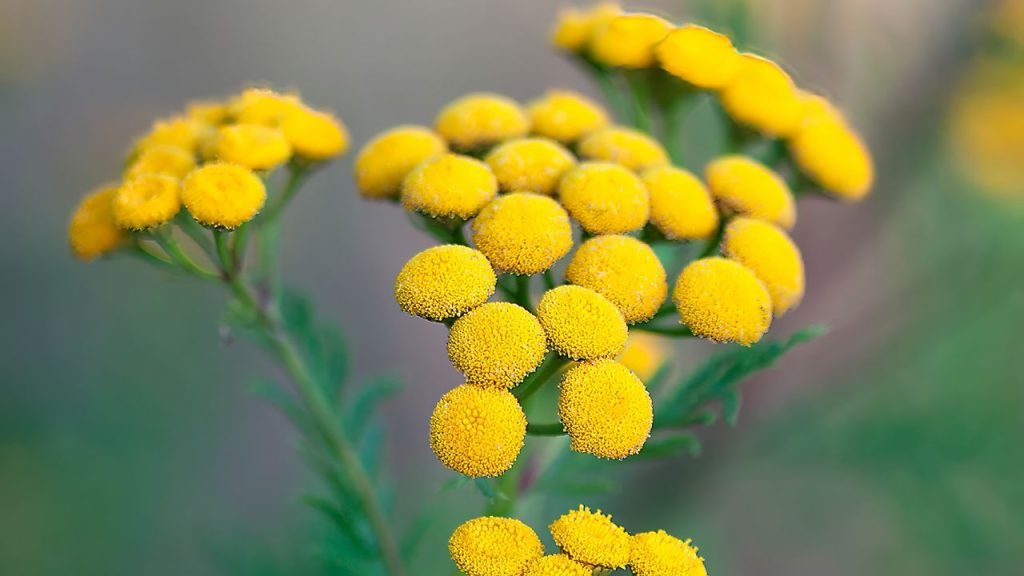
[(367, 400), (486, 487), (670, 446), (657, 380), (731, 402), (453, 483), (414, 534), (284, 402), (343, 522), (576, 485)]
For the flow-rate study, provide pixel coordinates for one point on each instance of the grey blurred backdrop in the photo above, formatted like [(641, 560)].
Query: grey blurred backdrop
[(130, 445)]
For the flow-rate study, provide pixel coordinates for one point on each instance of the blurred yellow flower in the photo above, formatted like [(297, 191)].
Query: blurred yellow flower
[(565, 116), (177, 131), (313, 134), (644, 355), (761, 95), (575, 27), (522, 233), (631, 148), (449, 186), (530, 165), (147, 200), (702, 57), (254, 146), (681, 207), (605, 198), (223, 195), (92, 231), (750, 188), (262, 106), (481, 119), (167, 160), (773, 257), (477, 431), (384, 162), (830, 152), (628, 40)]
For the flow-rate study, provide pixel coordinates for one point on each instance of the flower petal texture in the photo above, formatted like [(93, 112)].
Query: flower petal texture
[(565, 116), (581, 324), (444, 282), (605, 198), (223, 195), (497, 344), (723, 300), (490, 546), (477, 431), (702, 57), (661, 554), (605, 409), (624, 270), (523, 233), (750, 188), (772, 256), (681, 206), (530, 165), (481, 119), (631, 148), (591, 538), (384, 162), (93, 231), (147, 200), (449, 186)]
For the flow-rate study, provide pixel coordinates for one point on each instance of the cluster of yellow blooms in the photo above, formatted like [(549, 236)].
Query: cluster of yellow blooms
[(491, 546), (212, 159)]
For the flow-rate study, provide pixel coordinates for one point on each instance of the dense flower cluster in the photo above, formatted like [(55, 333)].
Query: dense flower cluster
[(212, 159), (587, 540)]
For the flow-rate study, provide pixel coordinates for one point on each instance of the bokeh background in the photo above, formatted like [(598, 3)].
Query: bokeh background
[(129, 443)]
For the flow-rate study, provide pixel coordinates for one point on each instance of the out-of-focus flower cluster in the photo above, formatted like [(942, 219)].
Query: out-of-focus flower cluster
[(212, 159), (587, 541)]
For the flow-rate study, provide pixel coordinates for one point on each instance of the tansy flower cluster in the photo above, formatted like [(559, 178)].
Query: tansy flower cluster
[(212, 159), (586, 541)]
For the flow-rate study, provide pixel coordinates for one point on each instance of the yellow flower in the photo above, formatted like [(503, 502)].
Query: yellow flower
[(251, 145), (313, 134), (628, 40), (223, 195), (565, 116), (834, 156), (771, 255), (92, 231), (574, 27), (581, 324), (384, 162), (497, 344), (167, 160), (530, 165), (444, 282), (477, 431), (449, 186), (763, 96), (177, 131), (556, 565), (481, 119), (605, 409), (681, 207), (523, 233), (262, 106), (591, 538), (490, 546), (209, 112), (631, 148), (700, 56), (723, 300), (624, 270), (750, 188), (605, 198), (660, 554), (644, 355), (147, 200)]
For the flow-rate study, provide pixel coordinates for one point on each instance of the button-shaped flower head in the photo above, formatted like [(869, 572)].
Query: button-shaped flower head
[(702, 57), (313, 134), (262, 106), (147, 200), (384, 162), (490, 546), (444, 282), (644, 354), (530, 165), (254, 146), (591, 538), (565, 116), (605, 409), (681, 207), (223, 195), (605, 198), (625, 271), (581, 324), (477, 431), (576, 26), (481, 119), (168, 160), (763, 96), (771, 255), (177, 131), (557, 565), (628, 40), (750, 188), (93, 231), (523, 233), (661, 554), (631, 148), (831, 153), (449, 186), (497, 344), (723, 300)]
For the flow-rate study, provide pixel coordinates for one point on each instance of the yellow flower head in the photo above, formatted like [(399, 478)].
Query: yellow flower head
[(605, 198), (177, 131), (575, 27), (523, 233), (581, 324), (660, 554), (477, 431), (605, 409), (773, 257), (834, 156), (631, 148), (556, 565), (723, 300), (313, 134), (644, 354), (384, 162), (530, 165), (763, 96), (681, 207), (700, 56), (92, 231), (490, 546), (262, 106), (624, 270), (481, 119), (223, 195), (497, 344), (209, 112), (628, 40), (444, 282), (591, 538), (167, 160), (565, 116), (449, 186), (750, 188), (251, 145), (147, 200)]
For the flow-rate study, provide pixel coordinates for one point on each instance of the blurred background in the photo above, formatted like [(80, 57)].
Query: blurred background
[(129, 443)]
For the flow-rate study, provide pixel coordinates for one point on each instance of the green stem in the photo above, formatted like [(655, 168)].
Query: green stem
[(673, 112), (551, 366), (616, 101), (640, 89), (195, 231), (296, 174), (173, 249), (552, 429), (239, 246), (549, 279), (522, 295), (714, 241), (221, 240), (140, 250)]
